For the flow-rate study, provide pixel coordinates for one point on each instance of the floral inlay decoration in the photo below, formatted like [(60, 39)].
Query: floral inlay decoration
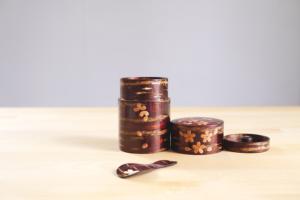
[(195, 122), (145, 146), (218, 130), (187, 148), (206, 136), (209, 148), (198, 148), (139, 133), (188, 136), (142, 109), (139, 107)]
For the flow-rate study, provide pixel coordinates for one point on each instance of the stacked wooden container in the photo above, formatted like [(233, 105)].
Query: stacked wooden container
[(144, 114)]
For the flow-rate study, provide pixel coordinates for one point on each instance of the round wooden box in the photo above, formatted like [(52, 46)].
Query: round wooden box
[(197, 135)]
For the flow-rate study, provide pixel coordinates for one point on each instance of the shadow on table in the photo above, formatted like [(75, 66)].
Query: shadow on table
[(101, 143)]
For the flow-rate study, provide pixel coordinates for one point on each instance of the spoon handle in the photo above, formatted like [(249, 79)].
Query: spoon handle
[(130, 169)]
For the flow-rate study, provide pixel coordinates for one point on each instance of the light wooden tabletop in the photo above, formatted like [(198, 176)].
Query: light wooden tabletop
[(72, 153)]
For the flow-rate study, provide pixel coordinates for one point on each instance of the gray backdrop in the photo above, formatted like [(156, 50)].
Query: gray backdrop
[(226, 52)]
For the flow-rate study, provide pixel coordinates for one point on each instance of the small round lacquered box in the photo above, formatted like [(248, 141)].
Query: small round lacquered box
[(197, 135)]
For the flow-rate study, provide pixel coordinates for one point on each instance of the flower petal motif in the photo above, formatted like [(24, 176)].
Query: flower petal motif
[(216, 130), (188, 136), (209, 148), (199, 123), (142, 109), (193, 121), (145, 146), (187, 148), (198, 148), (221, 130), (139, 133), (139, 107), (181, 133), (206, 136), (144, 114)]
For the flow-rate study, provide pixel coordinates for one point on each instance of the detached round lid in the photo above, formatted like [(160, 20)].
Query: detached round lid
[(246, 143)]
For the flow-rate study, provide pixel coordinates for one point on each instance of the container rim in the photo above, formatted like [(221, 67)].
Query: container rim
[(143, 78)]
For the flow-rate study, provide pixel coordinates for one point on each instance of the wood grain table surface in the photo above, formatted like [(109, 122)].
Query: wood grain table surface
[(72, 154)]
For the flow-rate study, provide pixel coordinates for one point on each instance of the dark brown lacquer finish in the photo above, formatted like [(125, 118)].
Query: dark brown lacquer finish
[(197, 135), (144, 88), (130, 169), (144, 114), (246, 143)]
